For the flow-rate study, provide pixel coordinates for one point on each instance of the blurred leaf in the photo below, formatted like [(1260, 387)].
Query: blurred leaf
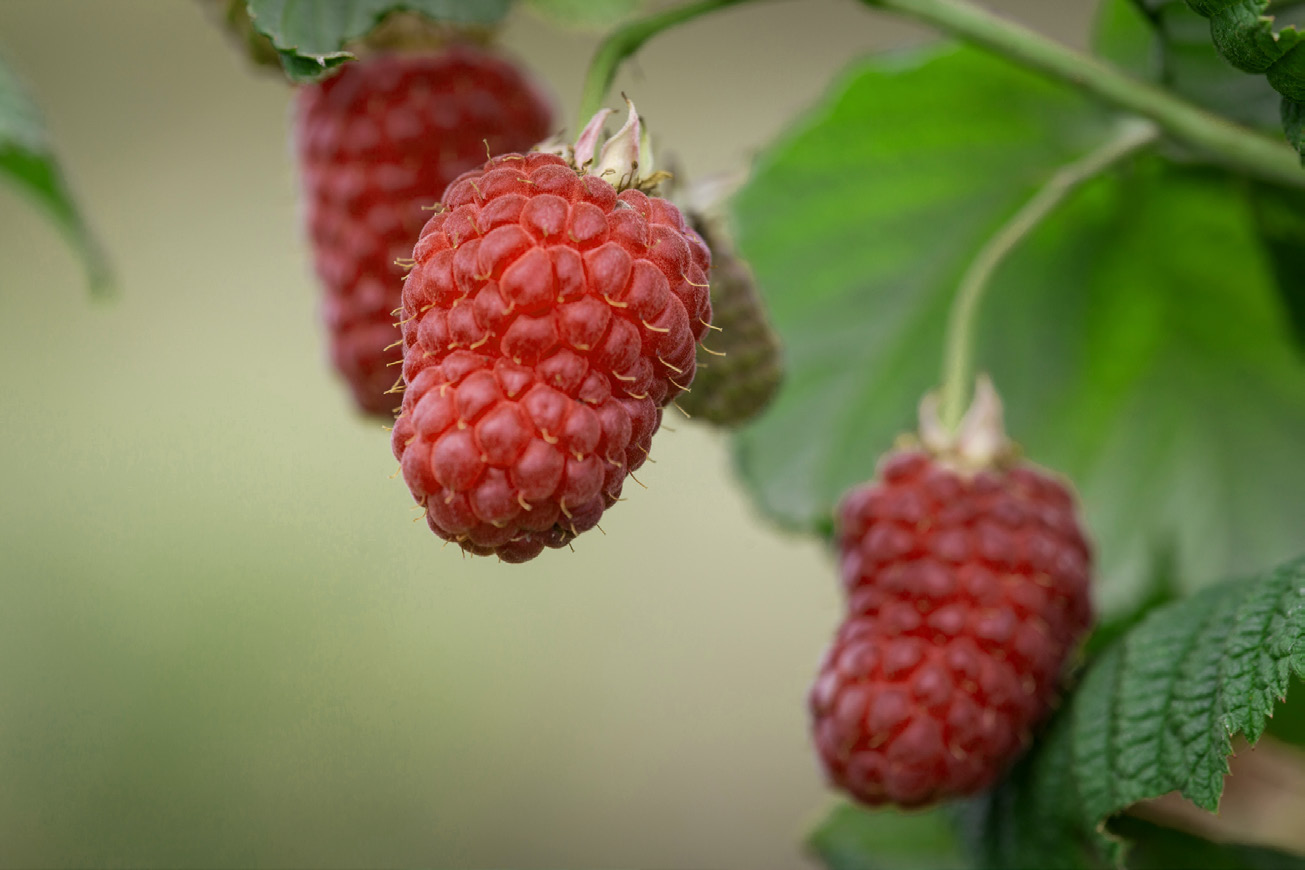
[(1161, 587), (584, 13), (1184, 60), (853, 838), (1190, 65), (1280, 218), (1152, 847), (1032, 819), (311, 34), (1250, 38), (28, 161), (1125, 36), (1137, 336), (858, 225), (1288, 722), (1293, 124), (1154, 714)]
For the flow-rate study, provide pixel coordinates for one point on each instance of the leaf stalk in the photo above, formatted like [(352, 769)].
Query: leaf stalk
[(626, 40), (962, 324), (1232, 145)]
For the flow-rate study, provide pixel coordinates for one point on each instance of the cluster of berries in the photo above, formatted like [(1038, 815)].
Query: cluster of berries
[(553, 306), (966, 575)]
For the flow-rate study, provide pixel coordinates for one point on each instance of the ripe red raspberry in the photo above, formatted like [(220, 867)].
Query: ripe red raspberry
[(968, 589), (378, 142), (547, 320)]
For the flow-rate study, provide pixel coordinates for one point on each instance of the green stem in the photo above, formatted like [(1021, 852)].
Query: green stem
[(1230, 144), (625, 41), (958, 348)]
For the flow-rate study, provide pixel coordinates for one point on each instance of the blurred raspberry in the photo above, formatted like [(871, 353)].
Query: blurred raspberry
[(741, 373), (377, 142), (547, 321), (967, 589)]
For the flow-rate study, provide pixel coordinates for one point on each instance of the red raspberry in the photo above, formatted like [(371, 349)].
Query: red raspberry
[(548, 319), (377, 142), (967, 592)]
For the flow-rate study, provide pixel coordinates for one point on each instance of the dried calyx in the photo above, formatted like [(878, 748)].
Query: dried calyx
[(623, 160), (978, 442)]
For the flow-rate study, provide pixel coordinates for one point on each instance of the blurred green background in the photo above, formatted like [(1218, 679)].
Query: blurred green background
[(222, 639)]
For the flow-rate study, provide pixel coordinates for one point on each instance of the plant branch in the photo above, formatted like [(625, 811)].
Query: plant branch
[(958, 348), (625, 41), (1230, 144)]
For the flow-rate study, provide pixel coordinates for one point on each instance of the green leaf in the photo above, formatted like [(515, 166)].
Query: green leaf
[(1280, 219), (854, 838), (1032, 818), (1288, 722), (1125, 36), (1187, 62), (1137, 336), (858, 225), (1293, 124), (1161, 588), (28, 161), (311, 35), (584, 13), (1154, 714), (1152, 847), (1247, 36)]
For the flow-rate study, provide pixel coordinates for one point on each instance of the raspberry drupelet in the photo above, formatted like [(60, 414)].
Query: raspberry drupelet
[(549, 317)]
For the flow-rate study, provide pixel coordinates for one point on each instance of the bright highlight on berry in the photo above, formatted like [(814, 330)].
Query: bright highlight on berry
[(967, 574), (552, 312)]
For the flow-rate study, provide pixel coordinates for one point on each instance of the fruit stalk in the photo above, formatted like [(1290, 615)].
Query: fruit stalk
[(626, 40), (958, 347), (1230, 144)]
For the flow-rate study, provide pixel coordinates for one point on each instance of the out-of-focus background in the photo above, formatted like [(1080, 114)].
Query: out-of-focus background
[(224, 642)]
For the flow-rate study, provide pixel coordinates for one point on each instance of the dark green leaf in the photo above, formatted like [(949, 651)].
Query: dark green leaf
[(1249, 38), (853, 838), (1154, 714), (1293, 124), (28, 162), (1288, 722), (1152, 847), (1189, 65), (1280, 218), (1137, 337), (311, 35), (1032, 819)]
